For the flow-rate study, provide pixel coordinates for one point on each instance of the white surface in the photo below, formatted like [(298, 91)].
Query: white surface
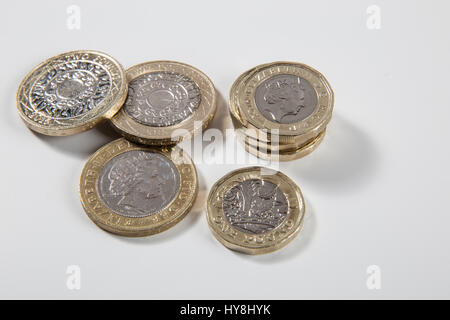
[(377, 188)]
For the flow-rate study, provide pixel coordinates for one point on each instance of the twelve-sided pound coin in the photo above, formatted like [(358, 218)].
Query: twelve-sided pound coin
[(255, 210), (71, 92), (134, 190), (167, 102)]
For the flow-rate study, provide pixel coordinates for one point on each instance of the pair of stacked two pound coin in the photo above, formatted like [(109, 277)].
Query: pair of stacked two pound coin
[(144, 183)]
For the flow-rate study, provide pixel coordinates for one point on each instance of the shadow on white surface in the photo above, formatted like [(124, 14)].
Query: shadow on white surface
[(84, 144), (347, 159), (293, 249), (185, 224)]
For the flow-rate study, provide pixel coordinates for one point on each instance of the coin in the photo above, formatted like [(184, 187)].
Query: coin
[(134, 190), (167, 102), (255, 210), (71, 92), (282, 106)]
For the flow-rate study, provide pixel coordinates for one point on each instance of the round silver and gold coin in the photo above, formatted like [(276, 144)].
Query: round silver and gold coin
[(282, 106), (167, 102), (134, 190), (71, 93), (255, 210)]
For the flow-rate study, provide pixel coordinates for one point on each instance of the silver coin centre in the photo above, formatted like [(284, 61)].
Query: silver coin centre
[(255, 206), (162, 99), (138, 183), (285, 98), (70, 88)]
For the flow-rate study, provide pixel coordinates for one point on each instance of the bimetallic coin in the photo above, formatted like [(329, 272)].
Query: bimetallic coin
[(133, 190), (162, 99), (255, 210), (71, 93), (166, 100)]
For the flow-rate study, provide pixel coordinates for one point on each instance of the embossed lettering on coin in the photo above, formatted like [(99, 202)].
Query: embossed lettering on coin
[(162, 99), (285, 98), (255, 206), (138, 183), (70, 89)]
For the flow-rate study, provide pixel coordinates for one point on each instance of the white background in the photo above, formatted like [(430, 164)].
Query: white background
[(377, 189)]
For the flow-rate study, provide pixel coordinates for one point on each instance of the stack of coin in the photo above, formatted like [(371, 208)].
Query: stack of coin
[(280, 110)]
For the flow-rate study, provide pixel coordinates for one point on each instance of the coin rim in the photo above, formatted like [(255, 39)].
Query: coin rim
[(140, 133), (107, 108), (136, 226), (260, 243)]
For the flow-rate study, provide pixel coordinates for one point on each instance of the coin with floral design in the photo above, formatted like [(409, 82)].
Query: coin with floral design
[(71, 92)]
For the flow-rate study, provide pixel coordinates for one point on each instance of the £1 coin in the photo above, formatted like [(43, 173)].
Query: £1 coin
[(255, 210)]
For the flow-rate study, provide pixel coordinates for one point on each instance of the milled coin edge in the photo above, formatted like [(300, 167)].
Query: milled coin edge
[(148, 135)]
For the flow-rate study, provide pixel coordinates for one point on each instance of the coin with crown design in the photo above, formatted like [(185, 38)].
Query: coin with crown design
[(71, 92), (135, 190), (167, 102), (281, 110), (255, 210)]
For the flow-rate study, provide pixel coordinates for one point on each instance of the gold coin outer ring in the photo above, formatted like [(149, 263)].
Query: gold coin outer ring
[(273, 240), (140, 133), (243, 106), (106, 109), (106, 219)]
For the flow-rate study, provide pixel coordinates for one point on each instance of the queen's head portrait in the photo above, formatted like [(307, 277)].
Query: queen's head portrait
[(139, 183), (285, 99)]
